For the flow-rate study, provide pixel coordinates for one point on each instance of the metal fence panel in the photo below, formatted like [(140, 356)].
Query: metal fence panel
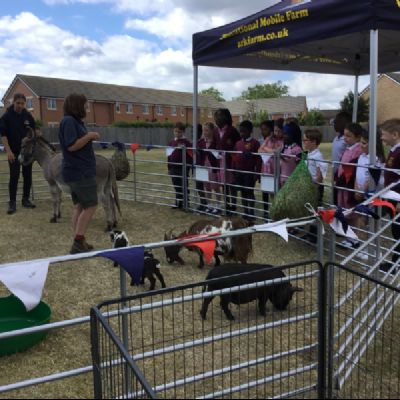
[(183, 356), (365, 353)]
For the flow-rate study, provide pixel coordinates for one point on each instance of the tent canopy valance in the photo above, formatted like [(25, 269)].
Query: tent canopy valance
[(327, 36)]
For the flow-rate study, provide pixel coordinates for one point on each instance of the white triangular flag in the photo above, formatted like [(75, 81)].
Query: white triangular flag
[(169, 151), (337, 226), (216, 155), (391, 195), (25, 280), (265, 158), (279, 229)]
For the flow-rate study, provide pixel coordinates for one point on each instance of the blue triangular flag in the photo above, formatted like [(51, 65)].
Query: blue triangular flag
[(131, 259), (375, 172), (362, 208), (340, 216)]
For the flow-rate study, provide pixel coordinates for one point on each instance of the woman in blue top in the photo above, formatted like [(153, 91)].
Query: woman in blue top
[(79, 167)]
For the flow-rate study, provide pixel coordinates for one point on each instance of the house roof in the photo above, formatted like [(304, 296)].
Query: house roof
[(60, 88), (394, 76), (279, 105)]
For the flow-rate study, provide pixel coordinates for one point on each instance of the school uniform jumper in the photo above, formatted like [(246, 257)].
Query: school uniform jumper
[(226, 140), (247, 166), (268, 166), (346, 176), (176, 168), (393, 162)]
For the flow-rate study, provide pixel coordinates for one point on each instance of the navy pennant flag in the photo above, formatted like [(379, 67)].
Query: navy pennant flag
[(131, 259)]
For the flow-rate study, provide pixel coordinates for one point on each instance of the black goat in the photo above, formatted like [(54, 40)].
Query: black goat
[(280, 294), (151, 265)]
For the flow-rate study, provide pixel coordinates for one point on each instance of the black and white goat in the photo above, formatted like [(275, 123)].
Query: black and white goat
[(151, 265)]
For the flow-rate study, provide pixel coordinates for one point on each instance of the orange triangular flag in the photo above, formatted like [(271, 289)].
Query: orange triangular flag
[(327, 215), (134, 147), (207, 247), (384, 203)]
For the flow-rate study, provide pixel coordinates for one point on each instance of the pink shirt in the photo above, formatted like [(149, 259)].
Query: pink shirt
[(288, 164), (275, 144)]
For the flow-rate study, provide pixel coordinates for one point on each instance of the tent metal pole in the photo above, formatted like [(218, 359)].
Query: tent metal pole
[(373, 100), (355, 99), (195, 109)]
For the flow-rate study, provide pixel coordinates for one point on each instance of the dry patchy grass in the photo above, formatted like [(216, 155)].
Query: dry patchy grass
[(73, 287)]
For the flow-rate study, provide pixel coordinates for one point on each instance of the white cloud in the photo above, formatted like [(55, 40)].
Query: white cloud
[(35, 46), (322, 90)]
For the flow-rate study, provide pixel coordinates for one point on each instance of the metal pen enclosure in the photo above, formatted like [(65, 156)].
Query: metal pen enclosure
[(326, 345)]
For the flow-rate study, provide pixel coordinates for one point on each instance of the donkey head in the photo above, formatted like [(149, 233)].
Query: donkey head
[(28, 144), (172, 252)]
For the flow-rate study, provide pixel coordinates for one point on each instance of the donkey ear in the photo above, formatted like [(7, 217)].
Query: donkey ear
[(30, 133)]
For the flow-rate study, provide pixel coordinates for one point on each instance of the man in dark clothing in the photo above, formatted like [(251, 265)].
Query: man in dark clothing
[(13, 128)]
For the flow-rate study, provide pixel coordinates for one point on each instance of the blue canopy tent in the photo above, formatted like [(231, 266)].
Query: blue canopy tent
[(324, 36)]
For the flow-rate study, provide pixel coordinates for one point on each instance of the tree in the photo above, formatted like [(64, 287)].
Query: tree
[(313, 118), (212, 91), (266, 91), (363, 107), (254, 115)]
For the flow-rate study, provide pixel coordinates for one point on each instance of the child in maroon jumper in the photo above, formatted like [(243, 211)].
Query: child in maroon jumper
[(175, 166), (248, 167), (390, 134), (226, 138)]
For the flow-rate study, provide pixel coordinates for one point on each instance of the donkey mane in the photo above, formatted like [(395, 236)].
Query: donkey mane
[(45, 141)]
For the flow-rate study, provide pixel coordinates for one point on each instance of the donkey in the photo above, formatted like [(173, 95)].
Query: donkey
[(37, 148)]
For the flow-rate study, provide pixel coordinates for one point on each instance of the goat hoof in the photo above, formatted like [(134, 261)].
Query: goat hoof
[(53, 220)]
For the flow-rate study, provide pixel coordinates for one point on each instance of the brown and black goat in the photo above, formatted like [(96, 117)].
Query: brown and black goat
[(236, 248)]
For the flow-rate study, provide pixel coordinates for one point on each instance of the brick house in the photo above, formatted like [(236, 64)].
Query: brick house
[(280, 107), (107, 103), (388, 89)]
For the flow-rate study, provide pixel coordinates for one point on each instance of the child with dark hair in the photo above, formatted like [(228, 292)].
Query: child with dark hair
[(346, 173), (271, 144), (248, 167), (266, 129), (390, 134), (175, 163), (226, 139), (317, 168), (291, 152), (363, 180)]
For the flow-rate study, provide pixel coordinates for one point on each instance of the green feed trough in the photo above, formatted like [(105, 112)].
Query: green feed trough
[(13, 316)]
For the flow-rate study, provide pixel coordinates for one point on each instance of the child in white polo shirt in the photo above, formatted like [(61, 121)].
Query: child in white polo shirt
[(315, 160), (317, 167)]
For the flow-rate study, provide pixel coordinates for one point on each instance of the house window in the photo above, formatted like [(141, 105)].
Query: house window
[(210, 113), (117, 108), (173, 110), (145, 109), (182, 112), (51, 104), (159, 110), (87, 108), (129, 108), (53, 124), (29, 103)]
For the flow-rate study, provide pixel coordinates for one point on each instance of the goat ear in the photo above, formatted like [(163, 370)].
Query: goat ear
[(168, 235), (297, 289)]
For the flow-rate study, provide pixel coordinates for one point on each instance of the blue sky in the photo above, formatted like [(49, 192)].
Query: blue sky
[(139, 43)]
